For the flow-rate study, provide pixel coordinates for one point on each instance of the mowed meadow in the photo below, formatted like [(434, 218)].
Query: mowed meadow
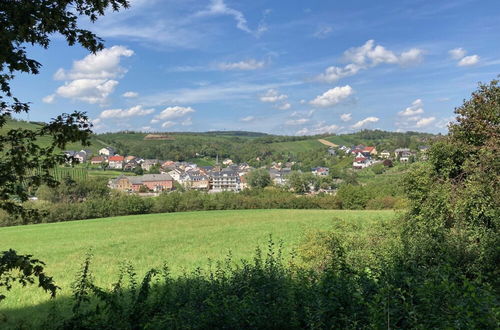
[(183, 241)]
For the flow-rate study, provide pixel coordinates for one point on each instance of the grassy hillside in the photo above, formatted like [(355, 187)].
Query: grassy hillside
[(182, 240), (96, 144)]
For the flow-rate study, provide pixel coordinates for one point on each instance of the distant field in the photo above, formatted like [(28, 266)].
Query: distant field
[(182, 240)]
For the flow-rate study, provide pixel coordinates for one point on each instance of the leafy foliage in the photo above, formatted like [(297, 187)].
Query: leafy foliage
[(23, 269)]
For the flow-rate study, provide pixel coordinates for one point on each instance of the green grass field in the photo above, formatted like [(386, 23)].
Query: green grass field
[(182, 240)]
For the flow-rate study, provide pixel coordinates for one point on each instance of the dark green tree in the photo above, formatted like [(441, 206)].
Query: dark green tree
[(23, 162), (259, 178)]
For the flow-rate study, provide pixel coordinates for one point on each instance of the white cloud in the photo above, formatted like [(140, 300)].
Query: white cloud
[(137, 110), (130, 94), (284, 106), (333, 96), (411, 57), (457, 53), (414, 109), (168, 124), (425, 122), (93, 78), (174, 112), (300, 121), (365, 122), (247, 119), (247, 65), (345, 117), (469, 60), (323, 31), (273, 96), (104, 64), (366, 56), (319, 128), (218, 7), (307, 113), (147, 128), (87, 90), (49, 99)]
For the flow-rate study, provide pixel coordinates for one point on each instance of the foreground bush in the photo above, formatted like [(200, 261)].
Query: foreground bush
[(268, 293)]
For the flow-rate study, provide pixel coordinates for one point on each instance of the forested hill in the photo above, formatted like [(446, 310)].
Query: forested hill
[(240, 146), (249, 146)]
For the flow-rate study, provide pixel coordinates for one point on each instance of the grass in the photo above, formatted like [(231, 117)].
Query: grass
[(182, 240)]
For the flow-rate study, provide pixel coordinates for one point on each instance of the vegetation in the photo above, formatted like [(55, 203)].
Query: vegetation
[(182, 240)]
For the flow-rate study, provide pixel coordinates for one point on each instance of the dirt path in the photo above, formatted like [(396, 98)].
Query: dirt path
[(328, 143)]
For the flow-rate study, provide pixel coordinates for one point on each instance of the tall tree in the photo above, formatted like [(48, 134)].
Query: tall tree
[(24, 164)]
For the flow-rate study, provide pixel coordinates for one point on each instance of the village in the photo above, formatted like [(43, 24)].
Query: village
[(154, 175)]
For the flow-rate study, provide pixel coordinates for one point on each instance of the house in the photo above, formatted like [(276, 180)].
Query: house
[(155, 182), (129, 158), (279, 176), (372, 151), (332, 151), (423, 152), (227, 162), (361, 162), (130, 165), (406, 156), (399, 152), (116, 162), (81, 157), (148, 163), (107, 151), (385, 154), (320, 171), (196, 180), (97, 160), (176, 174), (224, 180)]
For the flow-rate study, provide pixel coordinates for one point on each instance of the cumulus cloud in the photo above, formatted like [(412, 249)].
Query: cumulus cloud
[(366, 56), (93, 78), (423, 122), (218, 8), (168, 124), (459, 54), (469, 60), (411, 117), (284, 106), (130, 94), (247, 65), (247, 119), (104, 64), (174, 113), (332, 96), (49, 99), (365, 122), (300, 121), (87, 90), (137, 110), (319, 128), (273, 96), (345, 117), (414, 109), (279, 100)]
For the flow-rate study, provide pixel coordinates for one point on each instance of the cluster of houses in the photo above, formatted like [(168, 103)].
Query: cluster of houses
[(216, 178), (368, 156)]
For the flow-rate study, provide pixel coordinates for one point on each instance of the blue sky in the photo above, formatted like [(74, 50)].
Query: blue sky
[(284, 67)]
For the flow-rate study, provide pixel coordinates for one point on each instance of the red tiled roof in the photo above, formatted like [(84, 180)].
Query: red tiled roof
[(116, 158), (369, 149), (360, 159)]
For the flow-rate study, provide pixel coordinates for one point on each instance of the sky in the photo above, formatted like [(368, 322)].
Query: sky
[(284, 67)]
